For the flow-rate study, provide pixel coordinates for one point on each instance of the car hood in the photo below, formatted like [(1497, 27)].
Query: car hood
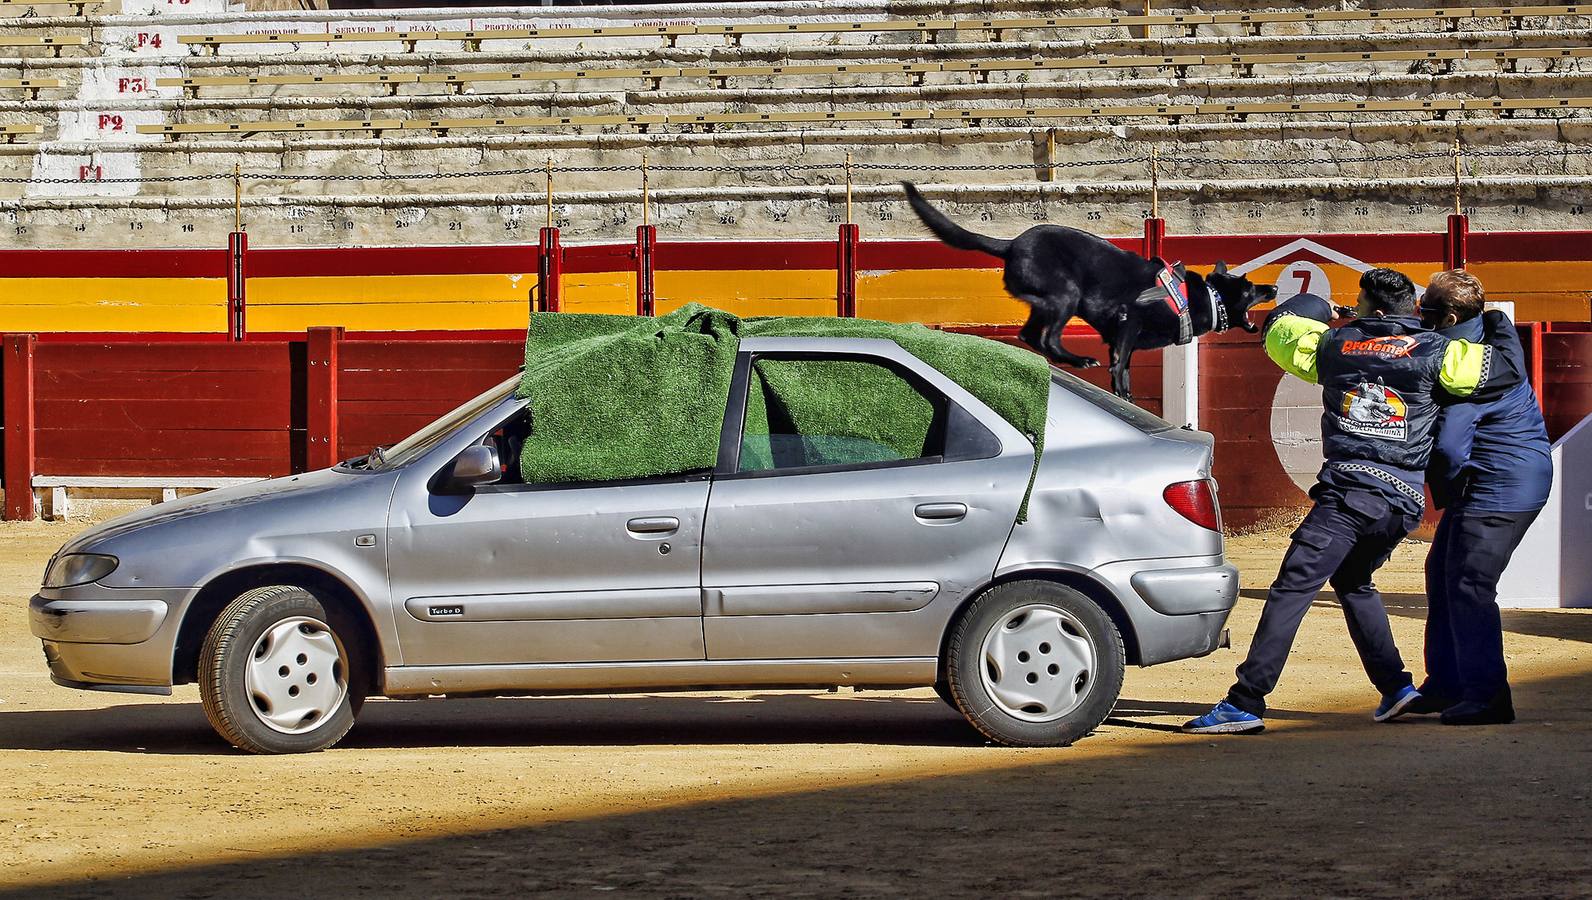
[(207, 503)]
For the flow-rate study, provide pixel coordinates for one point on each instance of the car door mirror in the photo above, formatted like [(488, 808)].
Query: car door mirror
[(477, 465)]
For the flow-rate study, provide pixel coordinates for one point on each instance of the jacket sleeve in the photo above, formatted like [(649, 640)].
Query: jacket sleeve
[(1508, 364), (1456, 432), (1466, 368), (1291, 342)]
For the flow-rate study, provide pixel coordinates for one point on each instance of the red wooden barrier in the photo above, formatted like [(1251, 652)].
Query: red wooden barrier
[(1566, 386), (20, 422), (389, 389), (265, 408), (1237, 387), (193, 409), (323, 368)]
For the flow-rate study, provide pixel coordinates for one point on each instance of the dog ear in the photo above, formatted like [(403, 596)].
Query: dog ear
[(1221, 268)]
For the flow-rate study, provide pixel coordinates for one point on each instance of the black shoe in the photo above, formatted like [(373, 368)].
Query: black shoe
[(1474, 712), (1428, 704)]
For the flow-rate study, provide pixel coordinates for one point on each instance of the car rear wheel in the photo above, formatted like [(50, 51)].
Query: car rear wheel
[(1035, 664), (275, 676)]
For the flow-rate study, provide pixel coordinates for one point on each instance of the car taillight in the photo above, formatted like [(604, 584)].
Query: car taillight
[(1195, 501)]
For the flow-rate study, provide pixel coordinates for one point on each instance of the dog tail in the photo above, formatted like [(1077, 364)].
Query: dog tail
[(950, 232)]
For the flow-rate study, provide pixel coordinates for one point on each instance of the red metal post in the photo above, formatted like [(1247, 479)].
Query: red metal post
[(320, 387), (20, 424), (646, 299), (1154, 237), (237, 278), (1534, 354), (550, 272), (1455, 247), (846, 271)]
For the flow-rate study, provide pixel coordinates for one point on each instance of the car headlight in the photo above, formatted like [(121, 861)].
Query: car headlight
[(78, 568)]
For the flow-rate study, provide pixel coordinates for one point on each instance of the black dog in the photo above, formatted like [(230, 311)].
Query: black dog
[(1063, 272)]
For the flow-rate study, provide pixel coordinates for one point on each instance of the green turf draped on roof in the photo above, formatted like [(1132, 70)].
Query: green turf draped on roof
[(616, 397)]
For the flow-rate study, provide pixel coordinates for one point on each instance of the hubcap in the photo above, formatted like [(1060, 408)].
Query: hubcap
[(297, 675), (1038, 662)]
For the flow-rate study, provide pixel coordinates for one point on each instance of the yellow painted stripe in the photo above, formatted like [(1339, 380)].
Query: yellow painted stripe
[(458, 315), (113, 304), (613, 293), (799, 292), (949, 296), (391, 302), (390, 289)]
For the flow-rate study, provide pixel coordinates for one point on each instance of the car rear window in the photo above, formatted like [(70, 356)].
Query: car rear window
[(1145, 421)]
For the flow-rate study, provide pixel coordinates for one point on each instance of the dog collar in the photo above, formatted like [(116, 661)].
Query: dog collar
[(1219, 321)]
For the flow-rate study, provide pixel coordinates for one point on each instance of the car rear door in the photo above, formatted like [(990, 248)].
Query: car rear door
[(858, 550)]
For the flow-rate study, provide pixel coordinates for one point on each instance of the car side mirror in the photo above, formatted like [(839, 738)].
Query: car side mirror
[(477, 465)]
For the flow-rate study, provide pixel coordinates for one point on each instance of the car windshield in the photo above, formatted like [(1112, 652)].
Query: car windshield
[(416, 445), (1145, 421)]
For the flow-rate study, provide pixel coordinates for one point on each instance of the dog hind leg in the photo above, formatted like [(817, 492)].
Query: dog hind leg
[(1056, 313)]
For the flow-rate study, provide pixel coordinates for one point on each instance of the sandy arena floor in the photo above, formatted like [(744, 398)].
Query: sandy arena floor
[(821, 795)]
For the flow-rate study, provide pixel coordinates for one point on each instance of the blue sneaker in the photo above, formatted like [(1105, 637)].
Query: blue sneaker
[(1396, 704), (1225, 718)]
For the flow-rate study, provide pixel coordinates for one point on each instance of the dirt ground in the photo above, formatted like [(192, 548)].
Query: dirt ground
[(813, 794)]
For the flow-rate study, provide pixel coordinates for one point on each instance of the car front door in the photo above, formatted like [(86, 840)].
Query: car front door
[(829, 536), (527, 574)]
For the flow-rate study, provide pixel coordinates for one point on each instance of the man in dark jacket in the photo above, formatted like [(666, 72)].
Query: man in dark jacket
[(1378, 375), (1490, 472)]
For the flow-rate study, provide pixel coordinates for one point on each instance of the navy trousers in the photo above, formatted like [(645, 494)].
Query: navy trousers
[(1344, 539), (1464, 636)]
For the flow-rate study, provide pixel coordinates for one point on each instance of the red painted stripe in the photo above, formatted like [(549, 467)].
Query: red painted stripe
[(874, 256), (430, 356), (56, 384), (1207, 250), (264, 412), (1529, 246), (354, 261), (113, 263), (140, 337), (142, 359), (183, 465), (736, 255), (600, 258)]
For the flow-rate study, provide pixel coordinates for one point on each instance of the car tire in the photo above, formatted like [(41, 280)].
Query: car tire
[(942, 689), (276, 676), (1035, 664)]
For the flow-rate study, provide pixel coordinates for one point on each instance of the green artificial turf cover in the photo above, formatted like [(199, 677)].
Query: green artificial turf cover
[(616, 397)]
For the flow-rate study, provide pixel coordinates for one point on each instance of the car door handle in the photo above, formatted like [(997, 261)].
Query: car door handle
[(654, 525), (941, 510)]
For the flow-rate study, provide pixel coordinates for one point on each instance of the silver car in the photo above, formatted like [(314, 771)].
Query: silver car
[(428, 569)]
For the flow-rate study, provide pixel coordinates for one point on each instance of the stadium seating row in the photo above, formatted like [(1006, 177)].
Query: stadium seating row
[(54, 41), (78, 6), (1175, 112), (32, 85), (720, 75), (996, 27)]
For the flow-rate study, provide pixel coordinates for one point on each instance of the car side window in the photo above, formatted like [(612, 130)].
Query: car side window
[(804, 413)]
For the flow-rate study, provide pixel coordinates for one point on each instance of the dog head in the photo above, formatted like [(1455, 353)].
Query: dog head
[(1238, 295)]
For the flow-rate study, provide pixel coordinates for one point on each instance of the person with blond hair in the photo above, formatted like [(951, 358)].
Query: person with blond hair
[(1381, 377), (1489, 472)]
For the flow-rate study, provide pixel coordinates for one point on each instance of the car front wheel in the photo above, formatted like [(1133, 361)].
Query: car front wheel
[(1035, 664), (275, 676)]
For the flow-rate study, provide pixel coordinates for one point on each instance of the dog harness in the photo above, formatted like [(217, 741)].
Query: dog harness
[(1170, 289)]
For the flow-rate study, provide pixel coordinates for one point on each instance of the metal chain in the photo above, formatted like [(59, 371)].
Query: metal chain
[(792, 170)]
